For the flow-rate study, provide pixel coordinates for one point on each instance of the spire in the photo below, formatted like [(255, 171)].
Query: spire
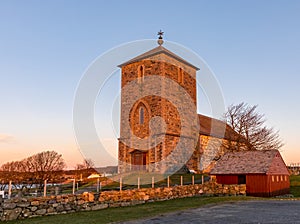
[(160, 37)]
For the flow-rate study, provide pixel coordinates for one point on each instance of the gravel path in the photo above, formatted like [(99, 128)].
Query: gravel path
[(272, 211)]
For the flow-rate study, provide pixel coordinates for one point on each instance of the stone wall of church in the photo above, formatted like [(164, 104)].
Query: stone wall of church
[(211, 148), (156, 106), (203, 158), (167, 156), (208, 152), (152, 103)]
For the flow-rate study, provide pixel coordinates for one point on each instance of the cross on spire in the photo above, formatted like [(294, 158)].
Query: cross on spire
[(160, 37), (160, 34)]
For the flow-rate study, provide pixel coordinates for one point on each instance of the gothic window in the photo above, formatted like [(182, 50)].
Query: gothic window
[(180, 75), (142, 115), (141, 73)]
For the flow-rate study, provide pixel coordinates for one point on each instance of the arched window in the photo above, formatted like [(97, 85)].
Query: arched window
[(142, 115), (180, 75), (141, 73)]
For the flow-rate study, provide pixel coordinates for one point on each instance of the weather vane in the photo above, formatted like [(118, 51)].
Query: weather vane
[(160, 37)]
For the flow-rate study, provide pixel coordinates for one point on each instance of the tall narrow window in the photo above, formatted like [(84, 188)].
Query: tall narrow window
[(180, 75), (141, 73), (142, 114)]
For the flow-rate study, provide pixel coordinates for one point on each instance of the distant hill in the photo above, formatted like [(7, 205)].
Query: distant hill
[(107, 169)]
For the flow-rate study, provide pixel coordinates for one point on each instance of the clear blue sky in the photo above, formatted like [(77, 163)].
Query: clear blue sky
[(45, 46)]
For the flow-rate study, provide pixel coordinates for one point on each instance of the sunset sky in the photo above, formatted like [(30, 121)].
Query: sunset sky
[(253, 48)]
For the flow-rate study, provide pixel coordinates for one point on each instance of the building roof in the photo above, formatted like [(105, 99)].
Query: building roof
[(156, 51), (251, 162), (217, 128)]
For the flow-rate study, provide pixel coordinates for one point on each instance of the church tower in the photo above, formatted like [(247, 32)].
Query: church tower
[(145, 97)]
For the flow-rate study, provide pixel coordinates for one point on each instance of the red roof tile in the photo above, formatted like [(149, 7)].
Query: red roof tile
[(255, 162), (217, 128)]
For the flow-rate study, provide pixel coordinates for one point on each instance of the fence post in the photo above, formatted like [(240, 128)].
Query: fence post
[(202, 179), (138, 182), (45, 188), (121, 184), (9, 189), (181, 180), (152, 182), (193, 180), (74, 182), (168, 181), (98, 183)]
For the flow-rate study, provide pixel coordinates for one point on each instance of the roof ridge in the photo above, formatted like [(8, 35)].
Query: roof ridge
[(155, 51)]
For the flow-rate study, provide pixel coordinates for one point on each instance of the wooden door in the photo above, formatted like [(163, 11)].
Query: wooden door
[(139, 160)]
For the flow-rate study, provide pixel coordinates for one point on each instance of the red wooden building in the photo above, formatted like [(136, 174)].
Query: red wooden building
[(264, 172)]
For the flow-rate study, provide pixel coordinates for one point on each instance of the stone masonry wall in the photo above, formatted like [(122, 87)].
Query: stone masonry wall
[(21, 208), (153, 106)]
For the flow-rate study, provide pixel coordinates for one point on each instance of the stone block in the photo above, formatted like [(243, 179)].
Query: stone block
[(8, 205), (27, 213), (53, 201), (88, 196), (12, 214), (68, 207), (35, 203), (99, 206), (60, 208), (51, 210), (34, 208), (80, 202), (23, 204), (41, 212)]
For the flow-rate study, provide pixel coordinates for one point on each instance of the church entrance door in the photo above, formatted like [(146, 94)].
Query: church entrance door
[(139, 160)]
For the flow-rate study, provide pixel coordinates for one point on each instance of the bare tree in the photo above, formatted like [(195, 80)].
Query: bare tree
[(84, 169), (35, 169), (46, 165), (251, 133), (14, 166), (88, 164), (15, 171)]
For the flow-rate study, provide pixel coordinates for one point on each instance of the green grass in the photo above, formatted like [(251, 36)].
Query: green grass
[(295, 180), (129, 213), (295, 190), (145, 181), (295, 185)]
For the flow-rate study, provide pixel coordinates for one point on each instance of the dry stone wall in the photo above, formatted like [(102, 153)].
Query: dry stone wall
[(21, 208)]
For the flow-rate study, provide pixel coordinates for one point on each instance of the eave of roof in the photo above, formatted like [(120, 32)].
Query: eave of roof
[(156, 51), (216, 128)]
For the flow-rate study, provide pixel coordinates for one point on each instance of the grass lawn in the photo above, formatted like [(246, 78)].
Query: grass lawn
[(129, 213), (145, 180), (295, 185)]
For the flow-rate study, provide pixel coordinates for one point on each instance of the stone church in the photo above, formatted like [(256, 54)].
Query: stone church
[(137, 110)]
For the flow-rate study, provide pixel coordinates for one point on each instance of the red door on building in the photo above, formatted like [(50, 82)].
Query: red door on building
[(139, 160)]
